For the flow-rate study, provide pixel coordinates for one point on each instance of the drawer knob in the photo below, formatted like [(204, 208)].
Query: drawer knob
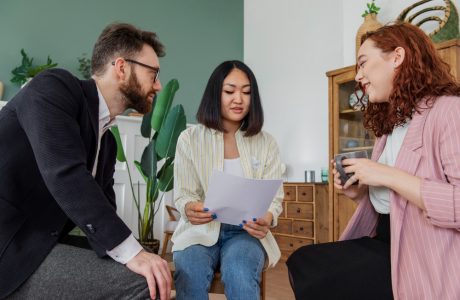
[(291, 245), (301, 228), (287, 193), (298, 210), (303, 194)]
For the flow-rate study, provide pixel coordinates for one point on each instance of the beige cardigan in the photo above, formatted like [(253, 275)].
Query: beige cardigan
[(199, 151)]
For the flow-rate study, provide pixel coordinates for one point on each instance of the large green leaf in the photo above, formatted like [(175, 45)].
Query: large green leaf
[(149, 160), (167, 162), (163, 104), (139, 168), (174, 124), (153, 193), (166, 180), (146, 128), (120, 151)]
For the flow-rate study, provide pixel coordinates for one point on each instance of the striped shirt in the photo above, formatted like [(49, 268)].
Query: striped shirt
[(199, 151), (425, 245)]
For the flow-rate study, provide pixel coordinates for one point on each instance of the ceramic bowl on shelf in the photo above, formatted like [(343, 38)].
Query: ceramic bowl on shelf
[(354, 102), (352, 144)]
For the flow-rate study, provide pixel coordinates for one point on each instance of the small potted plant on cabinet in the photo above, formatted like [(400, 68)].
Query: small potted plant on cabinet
[(370, 22), (27, 70)]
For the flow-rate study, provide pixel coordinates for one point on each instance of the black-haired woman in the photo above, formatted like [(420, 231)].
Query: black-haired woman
[(229, 138)]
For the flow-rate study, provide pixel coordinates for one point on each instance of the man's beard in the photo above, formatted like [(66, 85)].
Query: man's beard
[(133, 97)]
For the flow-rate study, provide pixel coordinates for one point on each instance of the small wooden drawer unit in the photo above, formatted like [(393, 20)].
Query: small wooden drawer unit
[(297, 225)]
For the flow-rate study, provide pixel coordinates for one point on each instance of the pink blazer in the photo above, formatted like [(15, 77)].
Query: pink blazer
[(425, 246)]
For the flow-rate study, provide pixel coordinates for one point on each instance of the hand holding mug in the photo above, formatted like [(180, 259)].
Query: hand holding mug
[(344, 176)]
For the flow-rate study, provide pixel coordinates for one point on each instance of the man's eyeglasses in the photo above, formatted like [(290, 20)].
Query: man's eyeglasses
[(156, 70)]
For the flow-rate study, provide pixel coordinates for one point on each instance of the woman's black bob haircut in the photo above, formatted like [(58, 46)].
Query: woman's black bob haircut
[(209, 112)]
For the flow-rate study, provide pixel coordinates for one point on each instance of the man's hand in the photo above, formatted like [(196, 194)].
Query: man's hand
[(156, 272), (197, 214), (259, 228)]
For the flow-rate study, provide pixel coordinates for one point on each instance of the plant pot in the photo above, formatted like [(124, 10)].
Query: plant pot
[(2, 103), (152, 246), (27, 81), (370, 24)]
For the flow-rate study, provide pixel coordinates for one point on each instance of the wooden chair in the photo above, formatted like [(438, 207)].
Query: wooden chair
[(173, 215)]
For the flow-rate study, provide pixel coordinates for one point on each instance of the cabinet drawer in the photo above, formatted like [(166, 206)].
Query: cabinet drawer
[(289, 193), (283, 212), (284, 226), (300, 211), (305, 193), (302, 228), (287, 243)]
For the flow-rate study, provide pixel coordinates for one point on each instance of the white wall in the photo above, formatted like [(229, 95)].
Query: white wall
[(290, 45)]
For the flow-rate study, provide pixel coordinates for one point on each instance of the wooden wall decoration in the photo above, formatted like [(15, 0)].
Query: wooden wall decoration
[(447, 28)]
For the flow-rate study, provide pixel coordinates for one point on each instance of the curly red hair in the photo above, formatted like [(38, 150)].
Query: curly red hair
[(422, 75)]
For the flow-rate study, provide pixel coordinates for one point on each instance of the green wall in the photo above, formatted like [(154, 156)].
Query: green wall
[(198, 35)]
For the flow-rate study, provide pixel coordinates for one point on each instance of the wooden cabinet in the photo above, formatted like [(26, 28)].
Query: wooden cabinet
[(304, 219), (346, 131)]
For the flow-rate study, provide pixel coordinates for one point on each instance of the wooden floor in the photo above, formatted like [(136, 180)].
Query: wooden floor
[(277, 285)]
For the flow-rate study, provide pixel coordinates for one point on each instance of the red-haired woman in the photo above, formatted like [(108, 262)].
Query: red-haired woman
[(404, 239)]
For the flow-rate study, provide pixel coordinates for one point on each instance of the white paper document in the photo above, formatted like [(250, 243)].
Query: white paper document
[(235, 198)]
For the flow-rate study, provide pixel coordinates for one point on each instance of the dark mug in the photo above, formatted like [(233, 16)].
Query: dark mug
[(338, 164)]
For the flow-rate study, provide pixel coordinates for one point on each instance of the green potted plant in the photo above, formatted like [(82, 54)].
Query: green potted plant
[(371, 9), (27, 70), (370, 22), (84, 66), (162, 127)]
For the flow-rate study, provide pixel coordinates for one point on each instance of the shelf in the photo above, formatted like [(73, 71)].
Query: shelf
[(356, 148), (355, 138), (351, 115), (349, 111), (295, 236)]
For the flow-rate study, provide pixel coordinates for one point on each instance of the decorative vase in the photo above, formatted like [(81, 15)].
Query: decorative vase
[(370, 24)]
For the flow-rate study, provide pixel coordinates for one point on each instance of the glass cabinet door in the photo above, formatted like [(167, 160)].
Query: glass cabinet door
[(351, 133), (346, 134)]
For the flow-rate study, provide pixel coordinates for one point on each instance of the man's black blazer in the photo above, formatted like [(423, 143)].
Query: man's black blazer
[(48, 141)]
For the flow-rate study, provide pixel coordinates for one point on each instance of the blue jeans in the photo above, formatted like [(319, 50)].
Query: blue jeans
[(240, 256)]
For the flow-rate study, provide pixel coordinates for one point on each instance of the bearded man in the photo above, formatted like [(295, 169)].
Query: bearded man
[(57, 160)]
